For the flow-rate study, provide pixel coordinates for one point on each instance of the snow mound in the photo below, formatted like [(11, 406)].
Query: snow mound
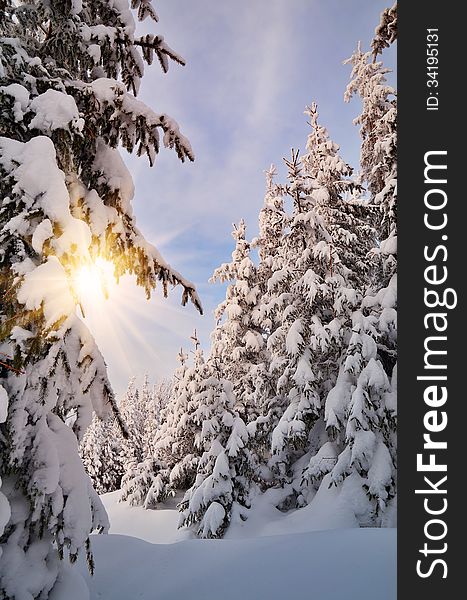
[(358, 564), (155, 526)]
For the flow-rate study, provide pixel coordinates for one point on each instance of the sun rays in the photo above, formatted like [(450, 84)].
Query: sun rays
[(132, 332), (92, 281)]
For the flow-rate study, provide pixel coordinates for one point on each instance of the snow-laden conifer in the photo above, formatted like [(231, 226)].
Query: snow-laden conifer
[(302, 295), (378, 159), (69, 72), (238, 343), (141, 412), (103, 455), (223, 479), (361, 408), (338, 200)]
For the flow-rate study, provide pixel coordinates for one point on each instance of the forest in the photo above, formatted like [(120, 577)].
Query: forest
[(290, 411)]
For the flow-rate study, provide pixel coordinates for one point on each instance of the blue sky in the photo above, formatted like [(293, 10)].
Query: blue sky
[(251, 69)]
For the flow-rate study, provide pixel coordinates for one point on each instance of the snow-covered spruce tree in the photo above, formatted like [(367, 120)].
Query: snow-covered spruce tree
[(228, 399), (314, 287), (273, 222), (175, 443), (335, 198), (223, 481), (303, 308), (133, 411), (378, 158), (236, 407), (101, 450), (141, 411), (238, 343), (155, 398), (378, 131), (106, 454), (68, 74), (198, 423), (346, 216), (361, 408)]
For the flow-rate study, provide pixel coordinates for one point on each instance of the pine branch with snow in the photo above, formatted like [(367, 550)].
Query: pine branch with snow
[(386, 31)]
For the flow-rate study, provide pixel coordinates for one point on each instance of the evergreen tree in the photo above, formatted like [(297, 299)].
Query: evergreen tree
[(142, 410), (346, 216), (298, 287), (378, 159), (155, 399), (233, 412), (107, 455), (316, 281), (69, 72), (379, 168), (176, 442), (102, 453), (223, 479), (334, 197), (360, 417), (238, 343), (134, 413), (273, 223), (361, 409), (199, 423)]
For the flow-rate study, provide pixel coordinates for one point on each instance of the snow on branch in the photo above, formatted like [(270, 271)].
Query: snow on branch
[(155, 44), (145, 9), (131, 122), (164, 273), (386, 31)]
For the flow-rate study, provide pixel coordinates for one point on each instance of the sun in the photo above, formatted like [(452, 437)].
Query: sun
[(92, 281)]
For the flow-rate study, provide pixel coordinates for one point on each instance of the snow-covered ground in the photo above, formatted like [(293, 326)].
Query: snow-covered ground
[(145, 557)]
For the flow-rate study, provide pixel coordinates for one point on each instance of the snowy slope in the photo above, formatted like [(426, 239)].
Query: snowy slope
[(356, 564), (351, 564), (155, 526)]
